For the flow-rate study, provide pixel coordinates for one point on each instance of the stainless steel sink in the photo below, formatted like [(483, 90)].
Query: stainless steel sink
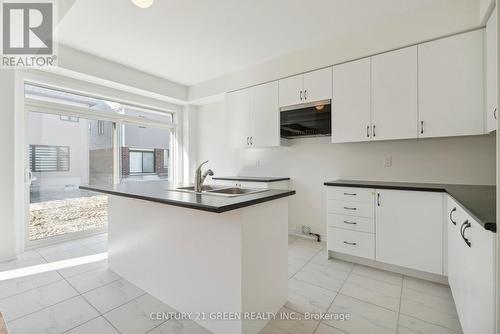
[(205, 187), (236, 191), (220, 190)]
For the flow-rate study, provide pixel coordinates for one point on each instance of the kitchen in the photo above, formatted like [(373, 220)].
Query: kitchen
[(371, 149)]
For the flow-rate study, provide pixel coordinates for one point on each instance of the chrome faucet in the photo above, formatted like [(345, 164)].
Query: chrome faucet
[(199, 178)]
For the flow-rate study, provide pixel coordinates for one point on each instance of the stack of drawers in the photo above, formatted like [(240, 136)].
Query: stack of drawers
[(351, 221)]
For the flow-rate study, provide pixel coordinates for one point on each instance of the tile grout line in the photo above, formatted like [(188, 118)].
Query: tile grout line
[(336, 295), (307, 262), (78, 294), (400, 301)]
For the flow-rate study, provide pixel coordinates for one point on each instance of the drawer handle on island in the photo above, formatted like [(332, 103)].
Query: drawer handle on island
[(350, 243), (350, 194), (451, 218), (465, 226), (350, 223), (348, 208)]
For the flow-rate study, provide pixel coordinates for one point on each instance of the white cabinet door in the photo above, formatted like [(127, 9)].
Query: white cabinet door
[(480, 298), (453, 221), (265, 115), (491, 73), (394, 95), (238, 114), (450, 86), (291, 91), (409, 229), (351, 120), (318, 85)]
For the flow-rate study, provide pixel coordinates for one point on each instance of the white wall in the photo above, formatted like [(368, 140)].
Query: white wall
[(310, 162), (7, 213), (437, 19)]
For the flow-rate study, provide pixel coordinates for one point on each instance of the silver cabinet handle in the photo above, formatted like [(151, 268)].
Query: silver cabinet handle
[(374, 133), (495, 113), (301, 95), (251, 140), (348, 208), (248, 141), (368, 131), (350, 223), (350, 194), (378, 199), (305, 94), (421, 127), (350, 243)]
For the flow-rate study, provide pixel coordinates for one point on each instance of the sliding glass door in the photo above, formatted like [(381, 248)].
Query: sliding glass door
[(73, 140), (65, 152)]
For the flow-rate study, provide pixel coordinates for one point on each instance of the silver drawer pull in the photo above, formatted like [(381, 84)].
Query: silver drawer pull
[(350, 194), (350, 223), (348, 208), (350, 243)]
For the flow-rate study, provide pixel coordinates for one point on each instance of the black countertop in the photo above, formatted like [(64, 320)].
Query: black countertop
[(161, 192), (251, 178), (478, 201)]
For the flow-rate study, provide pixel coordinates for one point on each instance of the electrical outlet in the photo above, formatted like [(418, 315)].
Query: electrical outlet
[(388, 161)]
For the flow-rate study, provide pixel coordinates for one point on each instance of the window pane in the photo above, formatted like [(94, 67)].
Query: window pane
[(154, 147), (135, 162), (148, 162)]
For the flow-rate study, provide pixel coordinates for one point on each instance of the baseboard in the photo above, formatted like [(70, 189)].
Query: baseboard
[(389, 267)]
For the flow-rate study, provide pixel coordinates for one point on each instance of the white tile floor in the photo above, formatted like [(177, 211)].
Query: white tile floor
[(90, 299)]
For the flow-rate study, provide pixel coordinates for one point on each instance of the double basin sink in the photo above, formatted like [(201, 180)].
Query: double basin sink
[(220, 190)]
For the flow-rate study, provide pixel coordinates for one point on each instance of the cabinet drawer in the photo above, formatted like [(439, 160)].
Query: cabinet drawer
[(351, 194), (351, 223), (358, 209), (351, 242)]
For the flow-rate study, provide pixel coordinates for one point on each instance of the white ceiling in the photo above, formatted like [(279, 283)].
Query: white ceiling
[(191, 41)]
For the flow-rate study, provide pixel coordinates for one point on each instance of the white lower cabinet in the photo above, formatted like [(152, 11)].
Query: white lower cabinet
[(398, 227), (471, 270), (351, 242), (409, 229)]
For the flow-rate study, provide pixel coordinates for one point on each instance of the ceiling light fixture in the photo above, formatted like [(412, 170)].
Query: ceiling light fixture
[(143, 3)]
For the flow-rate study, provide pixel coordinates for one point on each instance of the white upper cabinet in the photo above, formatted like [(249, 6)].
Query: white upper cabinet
[(238, 114), (253, 115), (409, 229), (303, 88), (318, 85), (351, 101), (450, 86), (291, 90), (394, 94), (265, 116), (491, 73)]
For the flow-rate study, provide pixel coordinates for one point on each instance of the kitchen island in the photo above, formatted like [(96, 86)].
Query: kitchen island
[(214, 257)]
